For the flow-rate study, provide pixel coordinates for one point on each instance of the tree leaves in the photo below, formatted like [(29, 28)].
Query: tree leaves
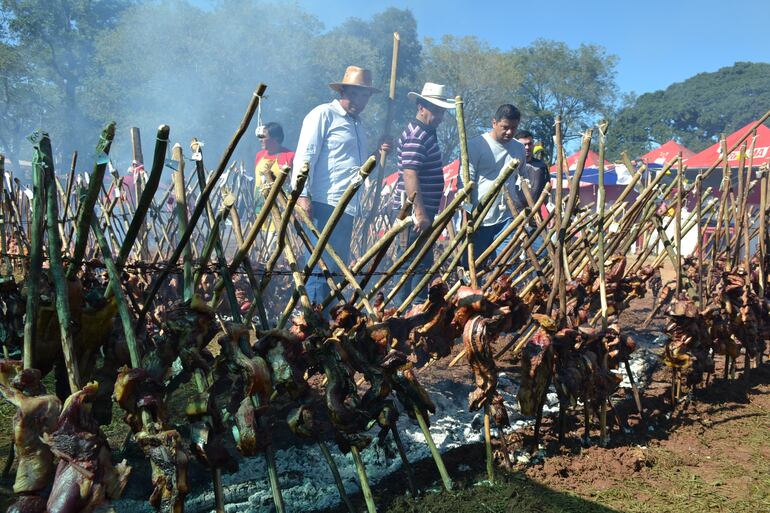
[(694, 112)]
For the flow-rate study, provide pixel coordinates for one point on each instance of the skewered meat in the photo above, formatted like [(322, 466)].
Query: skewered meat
[(744, 311), (28, 504), (476, 340), (689, 341), (287, 365), (36, 416), (168, 460), (239, 373), (469, 302), (309, 323), (208, 438), (301, 421), (498, 411), (411, 393), (345, 409), (427, 326), (85, 476), (537, 363), (188, 327), (136, 389)]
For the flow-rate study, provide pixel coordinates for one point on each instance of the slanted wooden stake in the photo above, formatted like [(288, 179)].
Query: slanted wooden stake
[(365, 488), (44, 158), (466, 177), (601, 264)]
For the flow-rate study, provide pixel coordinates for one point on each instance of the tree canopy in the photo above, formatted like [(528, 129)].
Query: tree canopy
[(693, 112)]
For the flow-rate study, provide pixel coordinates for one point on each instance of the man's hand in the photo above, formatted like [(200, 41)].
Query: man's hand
[(422, 222), (386, 143), (303, 202)]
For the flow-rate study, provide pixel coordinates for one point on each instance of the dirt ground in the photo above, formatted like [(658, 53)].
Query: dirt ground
[(710, 453)]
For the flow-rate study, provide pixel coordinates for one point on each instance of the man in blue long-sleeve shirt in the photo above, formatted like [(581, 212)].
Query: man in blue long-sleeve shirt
[(333, 142)]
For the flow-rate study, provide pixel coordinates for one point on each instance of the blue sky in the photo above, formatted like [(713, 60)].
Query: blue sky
[(658, 42)]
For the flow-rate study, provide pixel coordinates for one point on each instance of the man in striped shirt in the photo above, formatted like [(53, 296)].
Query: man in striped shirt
[(420, 166)]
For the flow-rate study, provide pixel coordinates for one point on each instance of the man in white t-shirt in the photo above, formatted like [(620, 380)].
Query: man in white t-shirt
[(488, 155)]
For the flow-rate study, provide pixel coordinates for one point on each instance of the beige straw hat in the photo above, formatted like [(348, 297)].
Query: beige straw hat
[(357, 77)]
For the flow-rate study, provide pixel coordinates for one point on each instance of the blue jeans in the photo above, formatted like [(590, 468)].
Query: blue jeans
[(485, 235), (418, 274), (317, 288)]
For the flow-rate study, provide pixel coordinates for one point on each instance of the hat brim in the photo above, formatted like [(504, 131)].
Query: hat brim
[(337, 86), (444, 104)]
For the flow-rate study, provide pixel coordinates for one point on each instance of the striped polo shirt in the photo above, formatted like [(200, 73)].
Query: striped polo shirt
[(418, 149)]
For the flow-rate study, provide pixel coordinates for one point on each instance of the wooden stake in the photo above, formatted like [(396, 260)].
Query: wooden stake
[(35, 262), (365, 489), (488, 445), (466, 177), (44, 158), (86, 207), (602, 278), (433, 450), (336, 474)]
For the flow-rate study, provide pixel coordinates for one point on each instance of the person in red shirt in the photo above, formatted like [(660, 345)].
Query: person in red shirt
[(273, 155)]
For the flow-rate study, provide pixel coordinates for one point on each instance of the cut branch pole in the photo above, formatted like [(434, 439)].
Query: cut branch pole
[(181, 212), (336, 474), (284, 225), (762, 231), (37, 228), (376, 188), (678, 225), (488, 445), (65, 214), (365, 488), (138, 221), (557, 270), (325, 234), (208, 248), (406, 210), (61, 286), (438, 223), (86, 207), (466, 177), (433, 450), (601, 264), (378, 250)]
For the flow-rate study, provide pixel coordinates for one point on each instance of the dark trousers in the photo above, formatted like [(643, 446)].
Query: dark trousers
[(317, 288), (419, 272), (485, 236)]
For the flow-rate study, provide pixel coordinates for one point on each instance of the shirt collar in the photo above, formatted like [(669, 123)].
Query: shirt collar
[(422, 125), (337, 107)]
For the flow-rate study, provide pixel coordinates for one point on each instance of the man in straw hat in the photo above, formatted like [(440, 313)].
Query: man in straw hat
[(333, 141), (420, 166)]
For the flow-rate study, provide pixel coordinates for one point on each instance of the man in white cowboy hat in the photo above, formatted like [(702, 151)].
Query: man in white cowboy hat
[(333, 141), (420, 166)]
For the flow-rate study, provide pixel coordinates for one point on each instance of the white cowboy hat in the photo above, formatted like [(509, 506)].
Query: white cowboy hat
[(435, 94), (355, 76)]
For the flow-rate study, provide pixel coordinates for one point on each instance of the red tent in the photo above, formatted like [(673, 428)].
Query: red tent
[(592, 161), (711, 155), (665, 153)]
